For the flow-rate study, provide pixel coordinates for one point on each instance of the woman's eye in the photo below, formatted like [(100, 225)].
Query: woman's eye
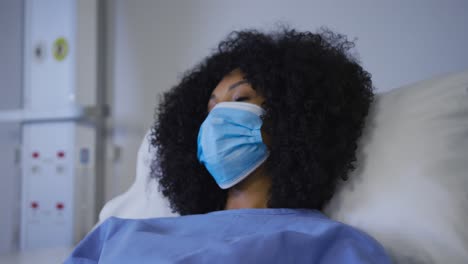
[(240, 99)]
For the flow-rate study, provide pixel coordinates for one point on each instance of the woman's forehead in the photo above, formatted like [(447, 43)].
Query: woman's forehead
[(230, 82)]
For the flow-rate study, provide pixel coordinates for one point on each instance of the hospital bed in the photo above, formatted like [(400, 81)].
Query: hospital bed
[(409, 188)]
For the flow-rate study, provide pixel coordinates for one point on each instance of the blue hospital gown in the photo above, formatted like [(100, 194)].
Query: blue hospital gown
[(230, 236)]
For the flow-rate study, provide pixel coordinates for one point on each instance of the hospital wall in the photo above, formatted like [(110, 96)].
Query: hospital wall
[(152, 43), (10, 98)]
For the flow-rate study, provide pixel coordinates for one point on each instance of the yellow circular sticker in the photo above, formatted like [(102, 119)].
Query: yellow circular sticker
[(60, 49)]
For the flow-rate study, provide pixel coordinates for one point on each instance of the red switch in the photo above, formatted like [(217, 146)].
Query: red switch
[(61, 154), (35, 154), (59, 206), (34, 205)]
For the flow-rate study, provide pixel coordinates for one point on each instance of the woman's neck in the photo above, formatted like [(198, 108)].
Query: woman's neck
[(253, 192)]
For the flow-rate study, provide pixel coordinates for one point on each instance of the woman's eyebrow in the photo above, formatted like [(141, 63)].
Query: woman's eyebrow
[(237, 84), (234, 85)]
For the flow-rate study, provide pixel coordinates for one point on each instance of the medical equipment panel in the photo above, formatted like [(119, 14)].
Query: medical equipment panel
[(59, 136)]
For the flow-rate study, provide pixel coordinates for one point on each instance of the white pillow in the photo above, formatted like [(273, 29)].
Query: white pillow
[(409, 187), (143, 199), (409, 190)]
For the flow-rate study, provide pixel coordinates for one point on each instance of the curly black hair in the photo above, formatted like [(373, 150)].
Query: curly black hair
[(317, 97)]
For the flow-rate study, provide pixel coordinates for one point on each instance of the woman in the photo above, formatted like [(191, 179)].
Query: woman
[(251, 144)]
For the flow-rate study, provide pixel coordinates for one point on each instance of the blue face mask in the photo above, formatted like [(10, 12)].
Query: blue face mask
[(230, 142)]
